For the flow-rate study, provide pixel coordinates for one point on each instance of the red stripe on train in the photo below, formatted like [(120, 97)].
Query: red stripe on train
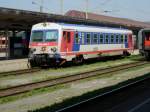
[(43, 44)]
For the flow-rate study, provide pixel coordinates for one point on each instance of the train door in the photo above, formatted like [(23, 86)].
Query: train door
[(78, 36), (67, 41), (130, 41)]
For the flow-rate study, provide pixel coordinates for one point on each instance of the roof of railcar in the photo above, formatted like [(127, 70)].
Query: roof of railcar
[(84, 28)]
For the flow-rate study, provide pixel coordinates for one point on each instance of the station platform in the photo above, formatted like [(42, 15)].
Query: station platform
[(13, 64)]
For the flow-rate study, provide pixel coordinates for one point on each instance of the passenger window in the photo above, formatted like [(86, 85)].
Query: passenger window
[(95, 38), (3, 41), (77, 39), (112, 38), (68, 37), (106, 39), (121, 40), (117, 39), (64, 35), (126, 39), (147, 38), (101, 38), (82, 37), (88, 38)]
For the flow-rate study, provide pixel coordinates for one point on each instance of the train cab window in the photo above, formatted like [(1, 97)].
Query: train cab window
[(51, 36), (77, 39), (88, 38), (121, 39), (117, 39), (112, 39), (82, 38), (126, 39), (95, 38), (37, 36), (106, 39), (101, 38)]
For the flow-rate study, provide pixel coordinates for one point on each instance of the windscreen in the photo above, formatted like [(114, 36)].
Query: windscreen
[(51, 36), (37, 36), (44, 36)]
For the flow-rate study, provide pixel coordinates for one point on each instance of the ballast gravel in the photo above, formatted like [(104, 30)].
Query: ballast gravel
[(74, 89)]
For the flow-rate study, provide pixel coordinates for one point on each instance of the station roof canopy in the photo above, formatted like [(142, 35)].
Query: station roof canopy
[(14, 19)]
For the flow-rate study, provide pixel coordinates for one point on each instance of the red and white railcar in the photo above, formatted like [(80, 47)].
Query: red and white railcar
[(144, 42), (59, 42)]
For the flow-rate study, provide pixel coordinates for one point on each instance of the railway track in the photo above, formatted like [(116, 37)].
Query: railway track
[(66, 79), (92, 102), (19, 72)]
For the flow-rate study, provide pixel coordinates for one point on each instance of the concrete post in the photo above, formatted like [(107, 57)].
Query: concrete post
[(7, 44)]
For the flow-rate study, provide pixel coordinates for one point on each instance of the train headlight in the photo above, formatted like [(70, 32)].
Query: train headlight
[(54, 49), (32, 50)]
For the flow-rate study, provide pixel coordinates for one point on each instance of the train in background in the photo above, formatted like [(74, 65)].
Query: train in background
[(3, 43), (56, 43), (144, 42)]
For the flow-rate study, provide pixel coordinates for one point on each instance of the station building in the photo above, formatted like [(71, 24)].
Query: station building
[(15, 27)]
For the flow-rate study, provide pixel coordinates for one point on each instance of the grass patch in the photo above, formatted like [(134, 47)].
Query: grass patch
[(33, 92), (88, 95), (48, 74), (54, 88), (112, 74)]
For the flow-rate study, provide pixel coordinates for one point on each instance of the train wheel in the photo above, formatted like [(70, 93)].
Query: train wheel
[(126, 53), (32, 64), (78, 60)]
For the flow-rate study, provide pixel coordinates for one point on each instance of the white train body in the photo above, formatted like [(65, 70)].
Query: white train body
[(56, 42)]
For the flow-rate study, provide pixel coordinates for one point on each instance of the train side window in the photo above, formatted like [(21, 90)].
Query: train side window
[(64, 35), (95, 38), (101, 38), (88, 38), (117, 39), (121, 39), (126, 39), (68, 37), (106, 39), (147, 38), (77, 39), (82, 37), (3, 41), (112, 39)]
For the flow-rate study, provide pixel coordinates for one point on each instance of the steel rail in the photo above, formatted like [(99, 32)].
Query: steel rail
[(19, 72), (66, 79)]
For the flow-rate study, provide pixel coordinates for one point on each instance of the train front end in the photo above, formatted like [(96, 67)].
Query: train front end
[(44, 45), (144, 42)]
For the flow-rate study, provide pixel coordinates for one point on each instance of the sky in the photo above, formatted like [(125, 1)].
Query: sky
[(132, 9)]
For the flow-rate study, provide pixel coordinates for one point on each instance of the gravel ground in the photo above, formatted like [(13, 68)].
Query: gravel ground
[(11, 65), (74, 89), (52, 73)]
